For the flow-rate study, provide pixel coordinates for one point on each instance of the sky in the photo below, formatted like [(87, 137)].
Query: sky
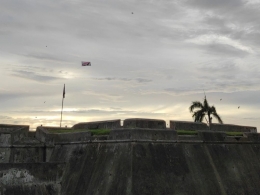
[(149, 59)]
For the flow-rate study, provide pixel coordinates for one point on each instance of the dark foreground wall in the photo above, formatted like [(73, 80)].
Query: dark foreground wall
[(147, 167)]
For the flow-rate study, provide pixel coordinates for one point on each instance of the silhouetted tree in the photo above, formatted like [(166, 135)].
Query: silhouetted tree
[(203, 110)]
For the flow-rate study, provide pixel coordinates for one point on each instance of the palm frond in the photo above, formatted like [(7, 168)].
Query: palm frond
[(195, 104), (198, 116), (215, 114), (217, 117)]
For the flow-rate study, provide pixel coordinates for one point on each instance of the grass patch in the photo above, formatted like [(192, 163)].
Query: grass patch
[(186, 132), (99, 131), (93, 131)]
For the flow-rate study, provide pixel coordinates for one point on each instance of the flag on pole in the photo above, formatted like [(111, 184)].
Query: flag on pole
[(86, 63), (64, 91)]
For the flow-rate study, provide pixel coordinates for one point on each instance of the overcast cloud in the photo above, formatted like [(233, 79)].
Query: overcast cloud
[(150, 59)]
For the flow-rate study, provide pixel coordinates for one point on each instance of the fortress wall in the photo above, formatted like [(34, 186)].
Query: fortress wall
[(19, 134), (24, 154), (132, 161), (9, 134), (232, 128), (142, 134), (160, 168), (5, 139), (109, 124), (43, 135), (186, 125), (27, 155), (144, 123), (31, 178)]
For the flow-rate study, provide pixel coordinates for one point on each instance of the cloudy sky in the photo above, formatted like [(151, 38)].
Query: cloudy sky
[(150, 59)]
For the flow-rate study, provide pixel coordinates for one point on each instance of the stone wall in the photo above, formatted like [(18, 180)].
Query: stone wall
[(31, 178), (9, 134), (131, 161), (144, 123), (156, 167), (109, 124), (232, 128), (187, 125), (45, 136), (142, 134)]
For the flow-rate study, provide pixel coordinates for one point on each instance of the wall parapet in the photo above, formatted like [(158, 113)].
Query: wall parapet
[(108, 124), (232, 128), (43, 135), (144, 123), (187, 125), (9, 134)]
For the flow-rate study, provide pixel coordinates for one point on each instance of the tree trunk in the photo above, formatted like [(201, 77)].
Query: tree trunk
[(209, 120)]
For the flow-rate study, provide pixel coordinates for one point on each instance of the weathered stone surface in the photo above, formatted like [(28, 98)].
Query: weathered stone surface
[(10, 134), (109, 124), (5, 155), (134, 161), (252, 137), (232, 128), (43, 135), (31, 178), (27, 154), (142, 134), (161, 168), (186, 125), (211, 136), (188, 137), (5, 139), (144, 123)]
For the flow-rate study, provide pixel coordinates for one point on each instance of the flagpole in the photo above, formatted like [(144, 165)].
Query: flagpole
[(63, 96)]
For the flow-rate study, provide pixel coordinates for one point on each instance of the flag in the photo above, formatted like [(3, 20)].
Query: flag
[(86, 63), (64, 91)]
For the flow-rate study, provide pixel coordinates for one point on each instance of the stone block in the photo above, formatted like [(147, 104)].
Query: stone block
[(144, 123)]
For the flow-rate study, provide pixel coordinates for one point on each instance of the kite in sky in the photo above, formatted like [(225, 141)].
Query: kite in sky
[(86, 63)]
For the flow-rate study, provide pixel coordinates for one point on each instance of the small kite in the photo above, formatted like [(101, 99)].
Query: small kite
[(86, 63)]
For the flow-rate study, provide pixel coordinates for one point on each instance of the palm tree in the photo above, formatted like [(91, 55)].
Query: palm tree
[(204, 111)]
